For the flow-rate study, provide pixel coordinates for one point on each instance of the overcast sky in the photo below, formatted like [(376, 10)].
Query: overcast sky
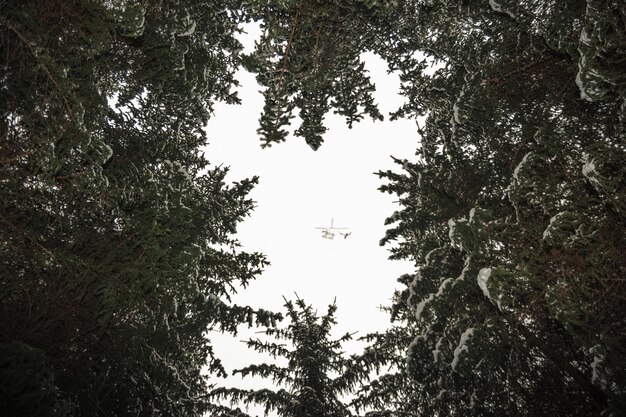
[(301, 189)]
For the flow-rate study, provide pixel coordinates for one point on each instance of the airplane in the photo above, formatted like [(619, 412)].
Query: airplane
[(332, 231)]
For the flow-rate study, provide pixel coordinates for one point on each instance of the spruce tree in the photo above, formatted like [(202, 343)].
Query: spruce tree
[(117, 249), (309, 58), (316, 376), (513, 222), (116, 241)]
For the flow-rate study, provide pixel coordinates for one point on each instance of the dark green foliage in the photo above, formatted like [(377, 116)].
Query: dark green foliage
[(393, 392), (514, 211), (116, 236), (316, 374), (116, 247), (309, 58), (28, 387)]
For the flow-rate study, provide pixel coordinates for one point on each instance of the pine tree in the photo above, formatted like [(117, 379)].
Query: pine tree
[(316, 375)]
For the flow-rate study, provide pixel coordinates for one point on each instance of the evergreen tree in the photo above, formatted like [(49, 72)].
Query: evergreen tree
[(316, 375), (514, 224), (391, 392), (116, 240), (117, 249), (309, 58)]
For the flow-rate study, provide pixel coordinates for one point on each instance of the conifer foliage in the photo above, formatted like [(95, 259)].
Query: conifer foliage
[(117, 247), (316, 373), (116, 236), (309, 58), (514, 210)]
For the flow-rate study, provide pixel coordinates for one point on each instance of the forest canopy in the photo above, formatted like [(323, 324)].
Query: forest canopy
[(118, 246)]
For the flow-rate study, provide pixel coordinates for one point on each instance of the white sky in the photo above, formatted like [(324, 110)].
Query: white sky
[(300, 189)]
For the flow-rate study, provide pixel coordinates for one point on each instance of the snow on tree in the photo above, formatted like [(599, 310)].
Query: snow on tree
[(316, 375), (513, 212), (116, 240), (117, 249), (309, 58)]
